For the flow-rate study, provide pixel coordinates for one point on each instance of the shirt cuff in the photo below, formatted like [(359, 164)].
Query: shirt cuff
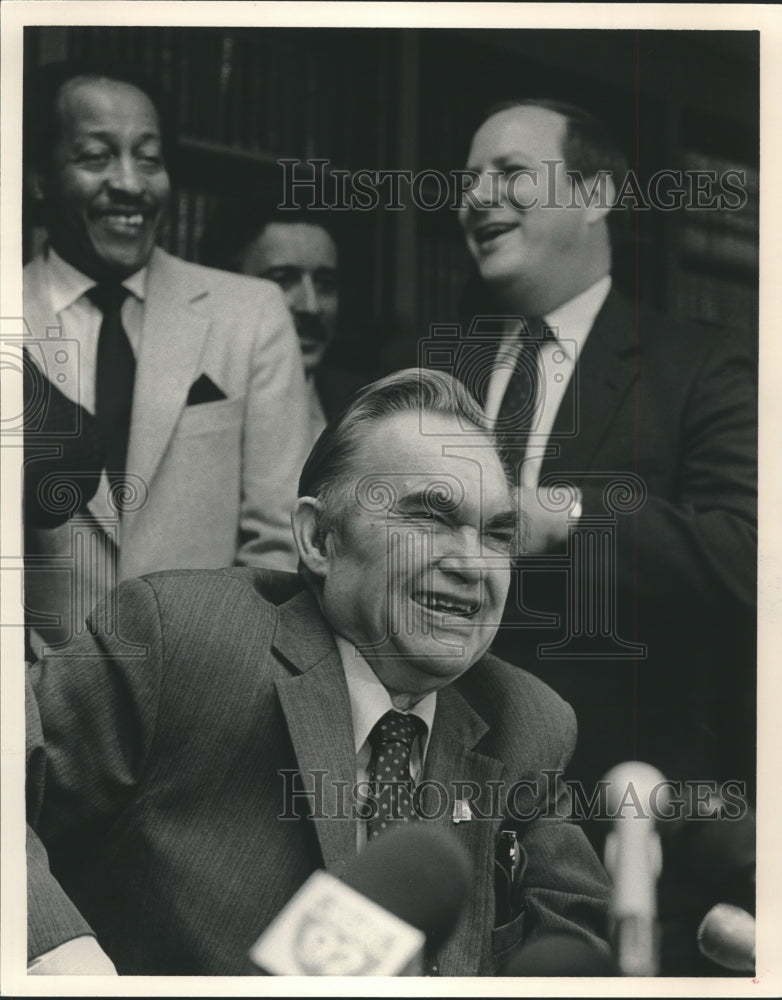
[(81, 956)]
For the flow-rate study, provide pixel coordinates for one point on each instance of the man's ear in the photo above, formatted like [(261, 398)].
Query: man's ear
[(307, 534), (604, 197)]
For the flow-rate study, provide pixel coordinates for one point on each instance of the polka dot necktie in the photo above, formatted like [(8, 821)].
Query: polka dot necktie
[(391, 740)]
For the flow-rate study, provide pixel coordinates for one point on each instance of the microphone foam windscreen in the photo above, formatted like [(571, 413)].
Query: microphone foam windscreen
[(727, 936), (419, 873), (558, 954)]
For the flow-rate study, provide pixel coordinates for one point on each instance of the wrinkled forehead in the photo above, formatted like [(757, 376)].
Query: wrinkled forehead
[(438, 459)]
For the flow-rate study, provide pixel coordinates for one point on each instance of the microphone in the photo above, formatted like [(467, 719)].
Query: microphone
[(558, 954), (727, 936), (404, 893), (633, 859), (717, 853)]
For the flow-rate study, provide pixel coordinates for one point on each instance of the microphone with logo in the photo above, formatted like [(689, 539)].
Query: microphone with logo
[(399, 900), (633, 859)]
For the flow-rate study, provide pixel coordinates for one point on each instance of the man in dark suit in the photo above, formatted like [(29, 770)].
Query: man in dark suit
[(298, 250), (634, 440), (188, 379), (159, 760)]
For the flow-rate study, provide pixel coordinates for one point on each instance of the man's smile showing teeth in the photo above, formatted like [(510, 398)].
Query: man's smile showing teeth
[(485, 234), (447, 604), (123, 221)]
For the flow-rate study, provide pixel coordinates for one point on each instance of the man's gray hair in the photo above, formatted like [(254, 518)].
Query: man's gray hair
[(328, 472)]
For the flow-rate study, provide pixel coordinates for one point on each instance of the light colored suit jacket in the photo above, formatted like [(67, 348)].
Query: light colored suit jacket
[(213, 483), (162, 819)]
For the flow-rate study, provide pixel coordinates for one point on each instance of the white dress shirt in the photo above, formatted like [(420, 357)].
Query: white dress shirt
[(81, 956), (81, 319), (570, 323), (369, 701)]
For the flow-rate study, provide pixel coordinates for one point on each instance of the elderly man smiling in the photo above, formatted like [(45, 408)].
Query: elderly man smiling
[(167, 820)]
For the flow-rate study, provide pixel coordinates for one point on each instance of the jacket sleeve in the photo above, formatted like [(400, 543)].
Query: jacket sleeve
[(276, 439), (91, 714), (564, 886), (702, 539)]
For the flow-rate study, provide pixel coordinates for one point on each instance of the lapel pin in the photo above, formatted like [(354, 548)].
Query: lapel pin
[(461, 811)]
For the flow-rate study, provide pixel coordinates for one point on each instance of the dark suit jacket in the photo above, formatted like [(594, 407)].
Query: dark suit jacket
[(661, 664), (336, 387), (153, 770), (63, 452)]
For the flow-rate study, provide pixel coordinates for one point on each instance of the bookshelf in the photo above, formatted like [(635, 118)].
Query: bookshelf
[(242, 98)]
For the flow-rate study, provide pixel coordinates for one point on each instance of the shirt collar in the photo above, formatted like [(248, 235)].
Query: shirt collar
[(67, 284), (369, 700), (577, 316)]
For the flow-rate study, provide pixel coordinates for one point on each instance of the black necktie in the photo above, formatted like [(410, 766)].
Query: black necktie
[(391, 740), (521, 405), (114, 377)]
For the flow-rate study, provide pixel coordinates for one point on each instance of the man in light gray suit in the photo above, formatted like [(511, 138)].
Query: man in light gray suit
[(191, 377)]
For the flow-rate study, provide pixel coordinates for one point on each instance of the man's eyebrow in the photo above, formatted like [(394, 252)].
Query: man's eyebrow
[(106, 135), (431, 498), (287, 268), (505, 519)]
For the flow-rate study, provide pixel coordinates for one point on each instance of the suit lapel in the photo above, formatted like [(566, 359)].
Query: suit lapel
[(605, 372), (175, 328), (316, 706), (451, 759)]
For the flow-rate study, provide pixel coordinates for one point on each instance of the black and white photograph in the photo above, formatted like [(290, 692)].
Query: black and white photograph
[(381, 584)]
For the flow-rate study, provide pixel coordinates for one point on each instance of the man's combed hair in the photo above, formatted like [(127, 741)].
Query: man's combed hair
[(328, 472), (240, 218), (588, 145)]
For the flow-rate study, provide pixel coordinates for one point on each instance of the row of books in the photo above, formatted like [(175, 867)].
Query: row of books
[(720, 247), (264, 93), (259, 89), (188, 214), (711, 299), (442, 273), (725, 235)]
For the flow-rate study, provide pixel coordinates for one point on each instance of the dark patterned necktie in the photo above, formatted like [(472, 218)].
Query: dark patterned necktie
[(114, 378), (522, 403), (391, 740)]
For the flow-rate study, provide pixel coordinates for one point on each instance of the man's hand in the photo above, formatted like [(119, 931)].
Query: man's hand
[(82, 956), (544, 516)]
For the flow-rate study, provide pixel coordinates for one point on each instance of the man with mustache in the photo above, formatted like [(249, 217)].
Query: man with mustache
[(296, 249), (190, 377)]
